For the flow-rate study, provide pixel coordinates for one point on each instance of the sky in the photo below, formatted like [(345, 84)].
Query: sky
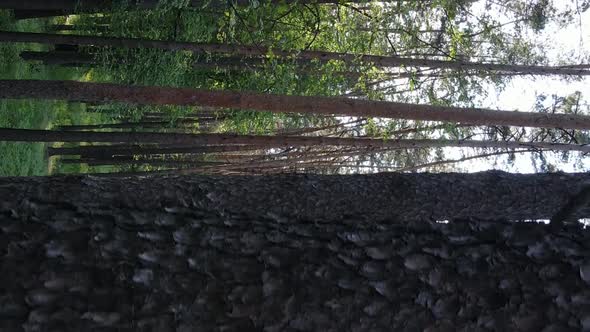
[(520, 93)]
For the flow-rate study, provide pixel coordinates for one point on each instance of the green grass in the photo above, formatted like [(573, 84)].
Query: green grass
[(18, 159), (29, 158), (141, 67)]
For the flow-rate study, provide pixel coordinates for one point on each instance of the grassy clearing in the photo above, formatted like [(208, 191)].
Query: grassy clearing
[(18, 159), (144, 67), (28, 158)]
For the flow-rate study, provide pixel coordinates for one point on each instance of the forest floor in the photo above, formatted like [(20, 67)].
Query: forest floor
[(147, 66), (22, 159), (27, 158)]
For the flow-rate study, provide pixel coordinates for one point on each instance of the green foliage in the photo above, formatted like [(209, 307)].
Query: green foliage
[(27, 158), (173, 4), (438, 29)]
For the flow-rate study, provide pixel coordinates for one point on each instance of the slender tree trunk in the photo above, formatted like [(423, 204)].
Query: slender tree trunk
[(115, 160), (27, 14), (79, 27), (301, 131), (65, 7), (102, 92), (261, 165), (398, 31), (130, 125), (254, 50), (245, 61), (73, 6), (122, 125), (126, 174), (27, 135), (151, 162), (459, 160), (406, 131), (59, 58), (49, 8), (212, 66), (291, 253), (112, 150)]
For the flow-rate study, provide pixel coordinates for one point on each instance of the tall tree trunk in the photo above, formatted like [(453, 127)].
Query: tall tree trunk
[(103, 92), (121, 150), (291, 253), (27, 14), (260, 165), (28, 135), (49, 8), (79, 27), (236, 60), (171, 124), (59, 58), (74, 6), (459, 160), (66, 7), (118, 161), (255, 50)]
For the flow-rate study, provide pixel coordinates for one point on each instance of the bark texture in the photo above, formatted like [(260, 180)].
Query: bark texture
[(31, 135), (113, 150), (152, 95), (59, 58), (254, 50), (93, 6), (290, 253), (79, 6)]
